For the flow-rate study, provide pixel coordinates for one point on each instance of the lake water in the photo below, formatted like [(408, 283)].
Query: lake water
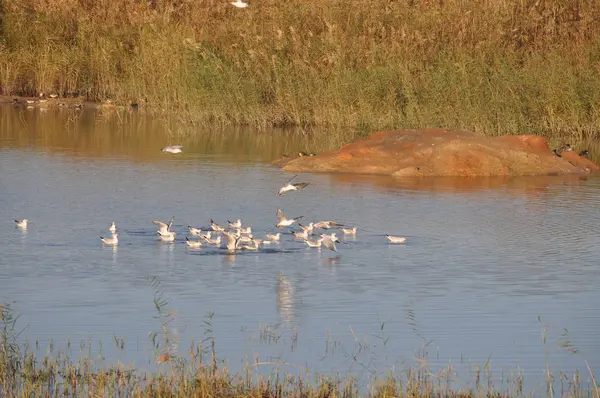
[(490, 267)]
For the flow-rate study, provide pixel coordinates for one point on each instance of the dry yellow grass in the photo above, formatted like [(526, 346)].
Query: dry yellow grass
[(506, 66)]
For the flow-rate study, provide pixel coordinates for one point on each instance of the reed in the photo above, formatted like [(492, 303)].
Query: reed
[(198, 373), (501, 67)]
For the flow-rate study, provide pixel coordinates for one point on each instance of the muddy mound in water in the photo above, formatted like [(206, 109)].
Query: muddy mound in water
[(438, 152)]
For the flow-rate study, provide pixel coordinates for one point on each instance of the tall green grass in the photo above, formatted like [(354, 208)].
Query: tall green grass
[(495, 67)]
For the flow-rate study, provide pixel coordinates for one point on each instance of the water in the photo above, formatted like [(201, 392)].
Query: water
[(490, 266)]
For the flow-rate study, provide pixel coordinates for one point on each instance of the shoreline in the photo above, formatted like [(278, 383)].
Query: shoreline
[(527, 68), (57, 102)]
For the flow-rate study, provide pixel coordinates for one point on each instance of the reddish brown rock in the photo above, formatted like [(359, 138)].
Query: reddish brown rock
[(438, 152)]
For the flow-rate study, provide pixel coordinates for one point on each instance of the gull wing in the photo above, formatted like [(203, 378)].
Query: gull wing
[(290, 180), (301, 185), (232, 241), (170, 223), (163, 228), (280, 216)]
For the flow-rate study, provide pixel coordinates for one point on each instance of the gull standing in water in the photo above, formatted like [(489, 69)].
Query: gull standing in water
[(313, 243), (274, 237), (173, 149), (168, 237), (395, 239), (231, 241), (194, 231), (216, 242), (164, 231), (113, 227), (282, 221), (164, 228), (252, 245), (235, 225), (328, 225), (292, 187), (21, 223), (349, 231), (111, 241), (193, 243), (300, 235), (260, 242), (246, 231)]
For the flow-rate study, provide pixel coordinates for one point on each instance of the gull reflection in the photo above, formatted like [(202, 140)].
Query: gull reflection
[(229, 259), (285, 299)]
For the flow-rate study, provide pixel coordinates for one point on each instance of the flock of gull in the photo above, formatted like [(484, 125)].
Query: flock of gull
[(235, 237)]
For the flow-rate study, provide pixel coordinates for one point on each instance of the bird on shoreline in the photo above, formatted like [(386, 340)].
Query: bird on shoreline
[(173, 149), (566, 148), (22, 223), (111, 241), (288, 186), (239, 4), (555, 151), (395, 239)]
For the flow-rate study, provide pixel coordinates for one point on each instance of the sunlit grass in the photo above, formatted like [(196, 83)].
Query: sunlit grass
[(198, 372), (501, 67)]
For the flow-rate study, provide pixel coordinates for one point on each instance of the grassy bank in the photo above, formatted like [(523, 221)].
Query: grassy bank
[(507, 66), (198, 373)]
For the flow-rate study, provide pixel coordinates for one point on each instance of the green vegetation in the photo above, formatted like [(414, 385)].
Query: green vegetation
[(501, 67)]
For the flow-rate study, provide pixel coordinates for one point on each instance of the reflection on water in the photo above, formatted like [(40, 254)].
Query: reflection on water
[(518, 185), (285, 300), (88, 133), (484, 257)]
